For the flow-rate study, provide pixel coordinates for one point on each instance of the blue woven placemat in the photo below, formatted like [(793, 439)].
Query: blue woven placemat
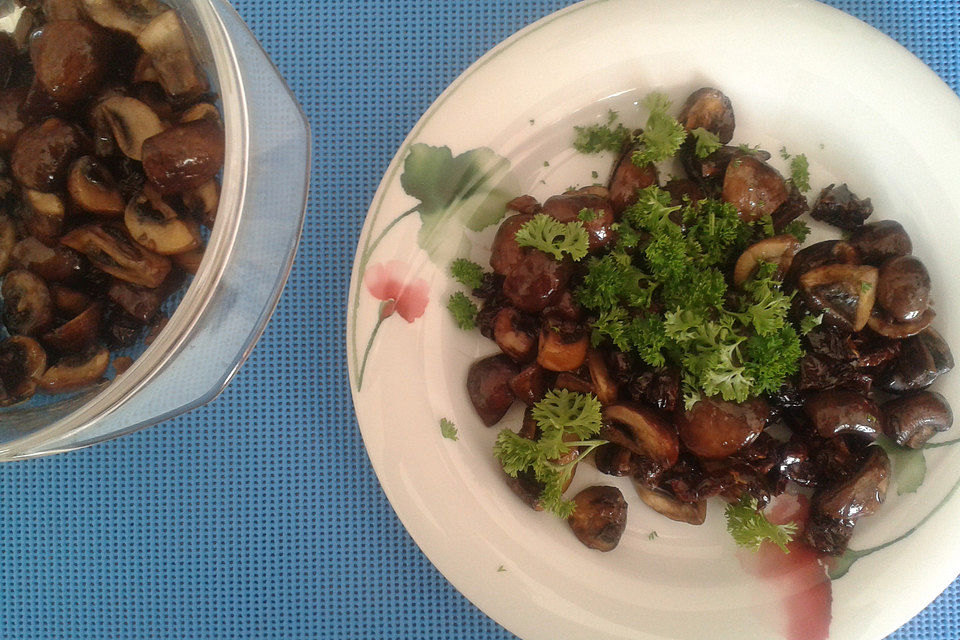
[(259, 516)]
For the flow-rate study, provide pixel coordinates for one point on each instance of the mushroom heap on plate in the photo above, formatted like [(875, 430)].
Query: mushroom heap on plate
[(110, 148)]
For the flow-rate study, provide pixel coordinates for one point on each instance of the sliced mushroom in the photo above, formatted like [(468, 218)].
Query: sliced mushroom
[(568, 207), (877, 242), (128, 16), (913, 419), (514, 336), (11, 123), (43, 153), (185, 156), (627, 179), (573, 382), (488, 385), (755, 188), (860, 495), (201, 111), (165, 40), (643, 431), (76, 371), (93, 189), (8, 240), (189, 261), (77, 334), (604, 386), (881, 323), (530, 384), (903, 288), (844, 293), (714, 429), (841, 208), (55, 264), (710, 109), (153, 224), (62, 10), (70, 59), (143, 71), (614, 460), (818, 255), (667, 505), (778, 249), (27, 306), (838, 411), (110, 251), (560, 350), (140, 302), (131, 122), (203, 202), (22, 363), (599, 518), (43, 214), (68, 302)]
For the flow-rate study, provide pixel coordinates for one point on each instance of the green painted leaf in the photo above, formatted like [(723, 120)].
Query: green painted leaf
[(908, 465), (468, 192), (839, 567)]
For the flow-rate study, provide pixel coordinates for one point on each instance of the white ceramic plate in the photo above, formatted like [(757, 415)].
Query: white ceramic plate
[(800, 75)]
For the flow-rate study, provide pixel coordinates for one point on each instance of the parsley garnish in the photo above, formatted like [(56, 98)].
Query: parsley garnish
[(464, 310), (750, 527), (567, 420), (653, 535), (597, 138), (447, 429), (467, 273), (662, 136), (587, 215), (808, 323), (554, 237), (800, 172), (707, 142), (798, 229)]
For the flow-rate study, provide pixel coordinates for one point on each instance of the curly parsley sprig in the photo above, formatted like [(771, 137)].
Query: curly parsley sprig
[(567, 420), (662, 136), (554, 237), (750, 527)]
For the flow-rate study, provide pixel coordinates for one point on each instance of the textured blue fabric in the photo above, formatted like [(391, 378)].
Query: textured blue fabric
[(259, 516)]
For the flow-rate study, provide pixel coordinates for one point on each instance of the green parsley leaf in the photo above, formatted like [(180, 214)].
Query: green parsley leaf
[(798, 229), (653, 535), (800, 172), (663, 135), (596, 138), (587, 215), (594, 174), (464, 310), (447, 429), (784, 153), (554, 237), (707, 142), (566, 421), (808, 323), (501, 569), (750, 527), (467, 273), (747, 149)]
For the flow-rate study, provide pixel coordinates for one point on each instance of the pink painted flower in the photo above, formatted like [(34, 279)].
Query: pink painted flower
[(390, 283)]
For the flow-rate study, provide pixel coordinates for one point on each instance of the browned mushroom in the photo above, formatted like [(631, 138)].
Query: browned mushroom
[(70, 59), (77, 334), (189, 261), (614, 460), (880, 322), (165, 41), (841, 208), (515, 335), (62, 10), (844, 293), (709, 109), (562, 346), (131, 122), (714, 428), (488, 385), (573, 382), (530, 384), (43, 214), (55, 264), (568, 207), (156, 226), (184, 157), (11, 123), (665, 504), (913, 419), (903, 288), (755, 188), (536, 281), (505, 253), (604, 386), (921, 361), (93, 189), (76, 371), (22, 363), (67, 301), (112, 252), (829, 536), (837, 411), (43, 153), (27, 306), (202, 202), (778, 249), (643, 431), (627, 179), (877, 242), (819, 254), (200, 111), (599, 518), (128, 16), (140, 302), (861, 494)]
